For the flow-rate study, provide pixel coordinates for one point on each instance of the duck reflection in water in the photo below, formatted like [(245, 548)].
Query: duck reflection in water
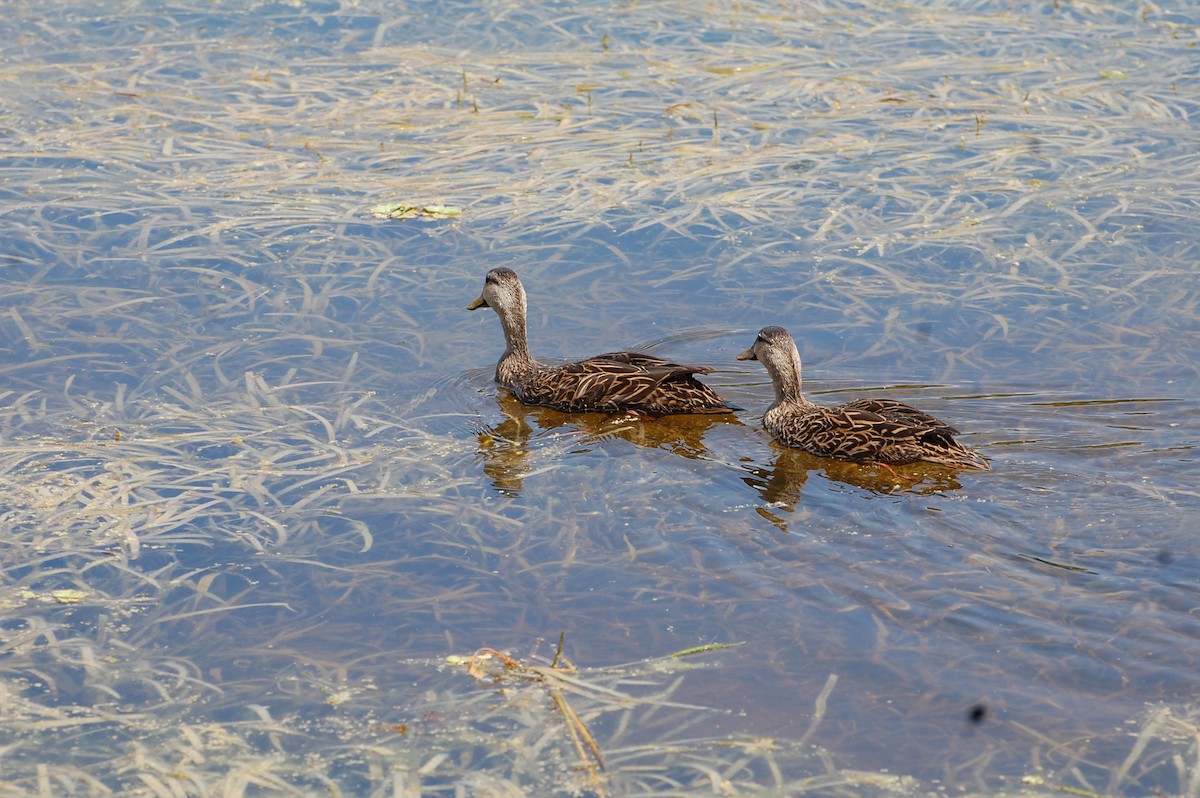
[(781, 484), (510, 452)]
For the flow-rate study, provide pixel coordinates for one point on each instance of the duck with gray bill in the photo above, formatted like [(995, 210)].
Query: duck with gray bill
[(868, 430), (612, 382)]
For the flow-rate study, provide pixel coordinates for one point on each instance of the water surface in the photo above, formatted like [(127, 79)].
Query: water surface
[(259, 485)]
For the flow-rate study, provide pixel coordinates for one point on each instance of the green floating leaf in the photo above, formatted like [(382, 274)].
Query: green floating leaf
[(68, 596), (403, 210), (1113, 74)]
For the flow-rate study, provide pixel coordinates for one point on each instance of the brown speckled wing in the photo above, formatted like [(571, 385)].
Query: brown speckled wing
[(849, 434), (619, 381), (900, 413), (856, 431), (650, 363)]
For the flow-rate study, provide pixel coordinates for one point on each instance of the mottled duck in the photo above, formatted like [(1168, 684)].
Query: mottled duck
[(869, 430), (612, 382)]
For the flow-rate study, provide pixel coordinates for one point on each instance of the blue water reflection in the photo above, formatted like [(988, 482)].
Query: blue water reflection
[(254, 427)]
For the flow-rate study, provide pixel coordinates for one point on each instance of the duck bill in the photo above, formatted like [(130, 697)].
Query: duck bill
[(748, 355), (477, 303)]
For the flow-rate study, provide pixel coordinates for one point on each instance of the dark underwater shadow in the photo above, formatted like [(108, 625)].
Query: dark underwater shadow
[(507, 448), (781, 483)]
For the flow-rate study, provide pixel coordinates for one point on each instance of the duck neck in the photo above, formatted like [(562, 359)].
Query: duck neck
[(785, 376), (516, 359)]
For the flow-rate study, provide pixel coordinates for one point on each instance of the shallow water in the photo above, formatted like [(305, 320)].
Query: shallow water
[(255, 428)]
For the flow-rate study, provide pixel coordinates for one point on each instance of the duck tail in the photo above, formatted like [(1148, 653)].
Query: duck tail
[(966, 459)]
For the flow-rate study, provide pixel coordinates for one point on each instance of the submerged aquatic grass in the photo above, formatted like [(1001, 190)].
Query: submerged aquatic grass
[(250, 480)]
